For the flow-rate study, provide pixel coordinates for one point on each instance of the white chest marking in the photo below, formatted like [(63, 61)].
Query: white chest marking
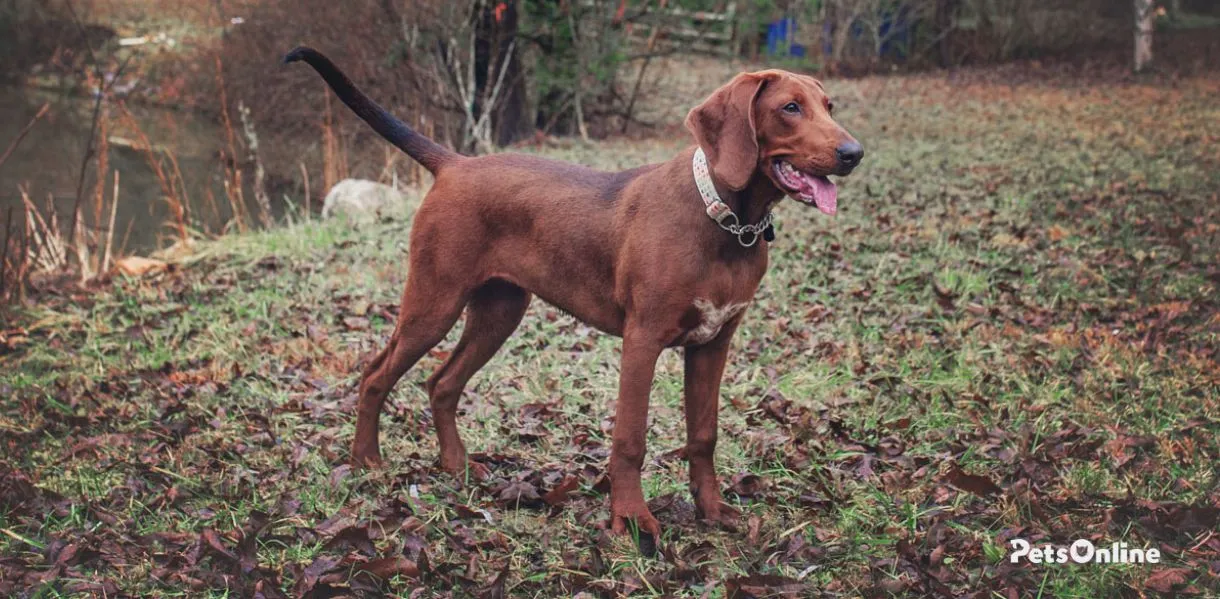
[(711, 320)]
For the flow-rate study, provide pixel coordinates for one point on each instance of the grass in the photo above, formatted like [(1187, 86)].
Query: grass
[(1010, 330)]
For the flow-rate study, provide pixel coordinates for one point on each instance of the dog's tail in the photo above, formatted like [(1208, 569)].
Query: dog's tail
[(427, 152)]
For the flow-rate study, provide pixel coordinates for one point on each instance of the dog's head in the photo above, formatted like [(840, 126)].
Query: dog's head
[(777, 123)]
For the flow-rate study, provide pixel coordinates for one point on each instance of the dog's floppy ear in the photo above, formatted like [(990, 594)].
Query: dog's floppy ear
[(723, 126)]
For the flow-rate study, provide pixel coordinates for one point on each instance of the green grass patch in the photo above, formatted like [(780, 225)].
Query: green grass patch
[(1010, 330)]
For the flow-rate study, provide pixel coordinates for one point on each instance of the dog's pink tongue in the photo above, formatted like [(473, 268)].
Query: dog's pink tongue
[(824, 193)]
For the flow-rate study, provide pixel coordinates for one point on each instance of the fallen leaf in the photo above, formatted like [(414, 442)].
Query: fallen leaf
[(495, 589), (559, 495), (135, 266), (519, 493), (1163, 581), (213, 542), (760, 586), (388, 567), (746, 484), (972, 483), (355, 537)]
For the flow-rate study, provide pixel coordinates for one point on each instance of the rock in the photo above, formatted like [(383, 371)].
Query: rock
[(362, 200)]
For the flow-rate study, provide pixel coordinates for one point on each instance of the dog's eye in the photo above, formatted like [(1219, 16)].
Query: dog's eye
[(792, 108)]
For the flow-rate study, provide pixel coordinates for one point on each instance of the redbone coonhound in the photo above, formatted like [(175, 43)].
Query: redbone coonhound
[(663, 255)]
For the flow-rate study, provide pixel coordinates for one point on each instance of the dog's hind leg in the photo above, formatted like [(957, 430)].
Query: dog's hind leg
[(492, 315), (426, 313)]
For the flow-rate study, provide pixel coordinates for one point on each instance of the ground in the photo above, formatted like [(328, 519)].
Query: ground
[(1009, 331)]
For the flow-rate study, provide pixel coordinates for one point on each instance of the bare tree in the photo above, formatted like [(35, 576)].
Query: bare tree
[(1145, 16), (863, 29), (471, 54)]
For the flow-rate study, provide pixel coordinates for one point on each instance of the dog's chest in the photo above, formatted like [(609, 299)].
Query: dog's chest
[(711, 318)]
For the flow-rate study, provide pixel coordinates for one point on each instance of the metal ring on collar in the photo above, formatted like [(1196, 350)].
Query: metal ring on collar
[(753, 239)]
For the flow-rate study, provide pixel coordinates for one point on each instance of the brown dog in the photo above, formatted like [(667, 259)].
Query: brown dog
[(649, 254)]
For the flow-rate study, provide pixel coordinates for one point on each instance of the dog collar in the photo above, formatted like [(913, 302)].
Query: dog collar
[(720, 212)]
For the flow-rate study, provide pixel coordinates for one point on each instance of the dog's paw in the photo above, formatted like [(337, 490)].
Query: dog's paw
[(623, 517), (637, 520), (365, 457), (644, 522), (721, 514), (710, 506)]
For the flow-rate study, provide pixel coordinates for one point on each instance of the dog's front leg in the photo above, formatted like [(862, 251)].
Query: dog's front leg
[(640, 352), (701, 399)]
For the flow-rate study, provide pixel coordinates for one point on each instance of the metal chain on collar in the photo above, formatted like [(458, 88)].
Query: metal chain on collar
[(720, 212), (755, 231)]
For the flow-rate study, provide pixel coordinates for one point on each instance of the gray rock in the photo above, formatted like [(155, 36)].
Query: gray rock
[(363, 201)]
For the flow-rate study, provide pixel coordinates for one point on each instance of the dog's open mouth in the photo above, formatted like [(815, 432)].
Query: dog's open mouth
[(814, 190)]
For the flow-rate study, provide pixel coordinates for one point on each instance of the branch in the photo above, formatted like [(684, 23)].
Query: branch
[(103, 89), (20, 136), (495, 90)]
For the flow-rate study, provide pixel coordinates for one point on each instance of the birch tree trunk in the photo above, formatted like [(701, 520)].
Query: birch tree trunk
[(1145, 16)]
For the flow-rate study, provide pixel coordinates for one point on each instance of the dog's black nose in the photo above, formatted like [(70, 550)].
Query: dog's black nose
[(849, 154)]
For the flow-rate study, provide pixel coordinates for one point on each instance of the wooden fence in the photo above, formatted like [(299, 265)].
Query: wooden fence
[(662, 27)]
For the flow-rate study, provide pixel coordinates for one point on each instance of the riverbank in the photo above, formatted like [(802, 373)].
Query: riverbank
[(1009, 330)]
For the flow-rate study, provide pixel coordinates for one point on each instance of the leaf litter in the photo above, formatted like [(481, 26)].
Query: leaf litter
[(989, 343)]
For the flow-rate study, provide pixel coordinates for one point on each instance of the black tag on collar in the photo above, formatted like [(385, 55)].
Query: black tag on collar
[(769, 233)]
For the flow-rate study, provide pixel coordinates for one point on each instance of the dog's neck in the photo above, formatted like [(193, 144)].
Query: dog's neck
[(748, 206), (753, 202)]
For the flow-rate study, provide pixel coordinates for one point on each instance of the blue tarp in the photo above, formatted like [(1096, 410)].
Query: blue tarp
[(779, 38)]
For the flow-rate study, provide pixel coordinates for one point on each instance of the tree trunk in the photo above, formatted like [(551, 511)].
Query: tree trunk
[(496, 28), (943, 19), (1145, 16)]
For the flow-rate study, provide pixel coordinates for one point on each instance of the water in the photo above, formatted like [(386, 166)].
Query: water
[(49, 162)]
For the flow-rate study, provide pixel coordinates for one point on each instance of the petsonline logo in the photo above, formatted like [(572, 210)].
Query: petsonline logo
[(1082, 551)]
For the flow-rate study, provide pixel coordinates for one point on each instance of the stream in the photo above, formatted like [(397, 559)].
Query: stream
[(49, 159)]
